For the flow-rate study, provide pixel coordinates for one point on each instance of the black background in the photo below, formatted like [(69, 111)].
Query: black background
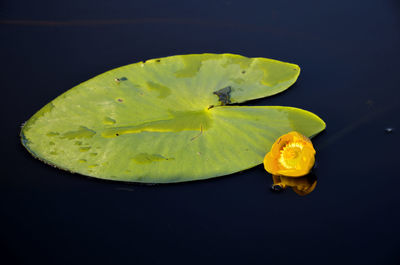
[(350, 59)]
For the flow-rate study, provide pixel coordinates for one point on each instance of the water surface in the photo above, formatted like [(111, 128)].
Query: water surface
[(349, 54)]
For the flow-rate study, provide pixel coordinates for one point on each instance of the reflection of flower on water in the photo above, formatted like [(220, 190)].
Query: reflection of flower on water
[(290, 161), (302, 185)]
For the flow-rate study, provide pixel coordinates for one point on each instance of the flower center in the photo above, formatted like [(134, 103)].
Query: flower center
[(290, 155)]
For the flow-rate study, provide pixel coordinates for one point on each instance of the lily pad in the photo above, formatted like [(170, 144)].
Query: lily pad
[(169, 119)]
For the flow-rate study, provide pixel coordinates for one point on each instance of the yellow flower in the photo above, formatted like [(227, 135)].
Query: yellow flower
[(292, 155)]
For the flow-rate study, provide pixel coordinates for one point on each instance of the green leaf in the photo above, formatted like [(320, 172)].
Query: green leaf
[(168, 119)]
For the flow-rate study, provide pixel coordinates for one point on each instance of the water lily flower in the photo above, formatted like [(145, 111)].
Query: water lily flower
[(292, 155)]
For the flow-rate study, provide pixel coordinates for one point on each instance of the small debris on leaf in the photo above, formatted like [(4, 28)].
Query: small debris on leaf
[(224, 95)]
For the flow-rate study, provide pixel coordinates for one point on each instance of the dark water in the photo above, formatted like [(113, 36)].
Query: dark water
[(350, 58)]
